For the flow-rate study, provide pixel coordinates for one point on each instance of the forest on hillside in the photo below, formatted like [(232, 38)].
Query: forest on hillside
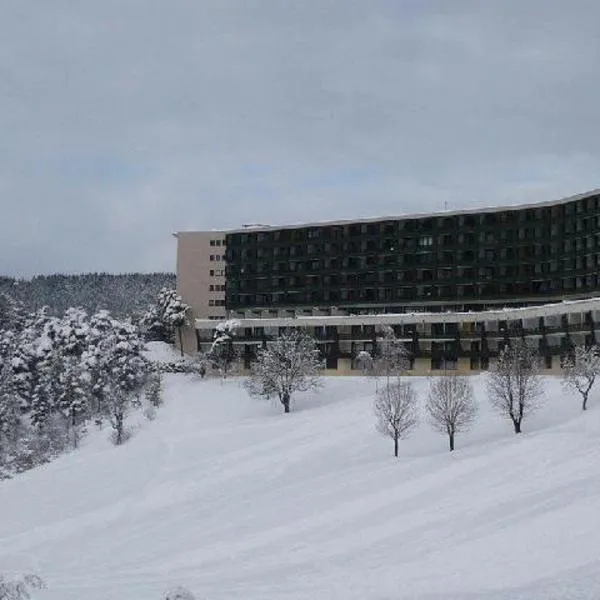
[(126, 294)]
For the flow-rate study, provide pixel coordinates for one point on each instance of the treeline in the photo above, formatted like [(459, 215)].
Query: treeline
[(58, 375), (123, 295)]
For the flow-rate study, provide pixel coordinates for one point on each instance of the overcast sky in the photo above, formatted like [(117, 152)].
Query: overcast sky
[(122, 121)]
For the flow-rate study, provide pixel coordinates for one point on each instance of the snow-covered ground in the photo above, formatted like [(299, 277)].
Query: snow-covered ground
[(233, 499), (161, 352)]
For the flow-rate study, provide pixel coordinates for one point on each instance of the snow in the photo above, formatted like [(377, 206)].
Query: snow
[(230, 498), (161, 352)]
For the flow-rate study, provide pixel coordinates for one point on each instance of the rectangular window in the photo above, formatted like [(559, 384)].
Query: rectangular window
[(212, 257)]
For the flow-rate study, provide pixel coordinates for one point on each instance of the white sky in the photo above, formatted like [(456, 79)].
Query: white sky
[(124, 120)]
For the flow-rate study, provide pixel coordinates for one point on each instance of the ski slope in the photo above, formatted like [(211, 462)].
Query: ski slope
[(232, 499)]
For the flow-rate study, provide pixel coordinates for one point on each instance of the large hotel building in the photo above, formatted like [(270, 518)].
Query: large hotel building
[(455, 286)]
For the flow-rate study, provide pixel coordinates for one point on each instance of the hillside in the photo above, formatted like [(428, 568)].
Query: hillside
[(123, 294), (233, 499)]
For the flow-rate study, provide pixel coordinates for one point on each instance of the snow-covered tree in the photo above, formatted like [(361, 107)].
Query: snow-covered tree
[(580, 371), (118, 373), (364, 360), (71, 332), (31, 351), (166, 317), (289, 364), (222, 353), (451, 405), (154, 327), (154, 389), (12, 313), (72, 398), (201, 364), (391, 357), (179, 593), (20, 588), (396, 411), (514, 382), (10, 417)]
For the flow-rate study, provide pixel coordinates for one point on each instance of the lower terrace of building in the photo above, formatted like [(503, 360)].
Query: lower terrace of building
[(434, 341)]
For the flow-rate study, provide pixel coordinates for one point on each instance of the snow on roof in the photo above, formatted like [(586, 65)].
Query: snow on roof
[(501, 314)]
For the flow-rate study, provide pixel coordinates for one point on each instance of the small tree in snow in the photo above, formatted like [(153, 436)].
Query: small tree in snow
[(451, 405), (396, 411), (391, 357), (364, 361), (289, 364), (201, 364), (514, 383), (222, 354), (173, 312), (166, 317), (153, 391), (21, 588), (580, 371)]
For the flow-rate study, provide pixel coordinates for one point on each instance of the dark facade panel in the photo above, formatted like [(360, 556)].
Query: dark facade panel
[(471, 259)]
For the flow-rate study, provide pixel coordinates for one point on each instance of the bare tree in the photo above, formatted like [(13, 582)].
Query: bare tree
[(396, 411), (391, 357), (580, 371), (289, 364), (451, 405), (514, 382)]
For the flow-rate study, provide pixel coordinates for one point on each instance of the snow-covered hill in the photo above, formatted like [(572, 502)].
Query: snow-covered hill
[(232, 499)]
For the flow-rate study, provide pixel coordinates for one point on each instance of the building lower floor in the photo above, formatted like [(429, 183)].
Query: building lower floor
[(465, 342)]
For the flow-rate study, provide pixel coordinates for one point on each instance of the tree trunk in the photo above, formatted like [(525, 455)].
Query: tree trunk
[(396, 447), (285, 400), (517, 425), (585, 399), (180, 340), (119, 429), (451, 439)]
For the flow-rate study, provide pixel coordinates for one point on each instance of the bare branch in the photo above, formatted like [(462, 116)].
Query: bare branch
[(396, 411), (514, 383), (451, 405), (580, 371), (289, 364)]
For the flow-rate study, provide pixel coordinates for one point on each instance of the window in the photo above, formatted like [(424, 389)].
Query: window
[(217, 257), (212, 257), (212, 272), (218, 242), (426, 241), (211, 288), (212, 242)]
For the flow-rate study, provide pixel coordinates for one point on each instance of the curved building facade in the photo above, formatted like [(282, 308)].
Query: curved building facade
[(507, 256), (455, 286)]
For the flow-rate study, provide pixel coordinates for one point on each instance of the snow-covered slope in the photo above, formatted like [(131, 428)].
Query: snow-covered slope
[(232, 499)]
